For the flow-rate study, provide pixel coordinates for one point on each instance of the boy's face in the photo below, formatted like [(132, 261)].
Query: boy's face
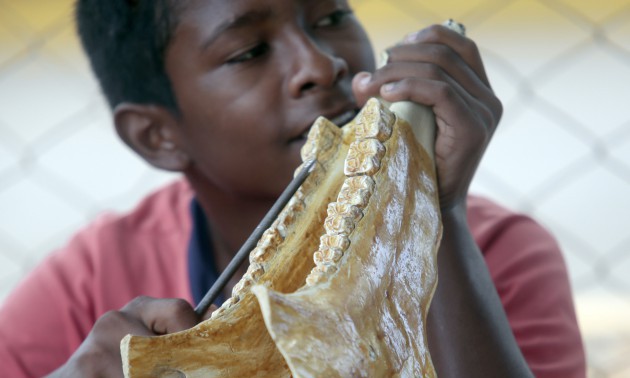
[(251, 76)]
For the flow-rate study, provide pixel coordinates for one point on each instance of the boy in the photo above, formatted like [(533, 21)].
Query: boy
[(224, 92)]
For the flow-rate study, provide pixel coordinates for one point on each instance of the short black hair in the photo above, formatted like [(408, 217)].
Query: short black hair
[(126, 42)]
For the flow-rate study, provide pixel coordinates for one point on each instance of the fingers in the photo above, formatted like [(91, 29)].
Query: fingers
[(461, 45), (442, 69), (161, 316), (99, 354), (435, 54), (440, 60)]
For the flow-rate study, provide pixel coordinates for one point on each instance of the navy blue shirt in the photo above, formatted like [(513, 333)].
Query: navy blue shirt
[(202, 270)]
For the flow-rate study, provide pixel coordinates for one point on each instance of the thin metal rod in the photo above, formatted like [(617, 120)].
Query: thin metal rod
[(243, 253)]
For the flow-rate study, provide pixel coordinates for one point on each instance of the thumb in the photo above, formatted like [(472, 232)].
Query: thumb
[(360, 87)]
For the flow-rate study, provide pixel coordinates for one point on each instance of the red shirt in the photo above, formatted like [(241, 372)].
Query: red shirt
[(118, 258)]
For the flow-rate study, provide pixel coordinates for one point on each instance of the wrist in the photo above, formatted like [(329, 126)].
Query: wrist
[(455, 212)]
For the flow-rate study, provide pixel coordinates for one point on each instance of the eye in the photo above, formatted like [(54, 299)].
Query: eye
[(251, 54), (336, 18)]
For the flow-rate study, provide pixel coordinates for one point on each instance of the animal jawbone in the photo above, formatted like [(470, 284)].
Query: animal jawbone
[(341, 283)]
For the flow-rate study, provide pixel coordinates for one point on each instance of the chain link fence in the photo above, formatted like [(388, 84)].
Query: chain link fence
[(561, 154)]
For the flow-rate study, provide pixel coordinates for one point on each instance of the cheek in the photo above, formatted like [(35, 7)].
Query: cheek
[(360, 53)]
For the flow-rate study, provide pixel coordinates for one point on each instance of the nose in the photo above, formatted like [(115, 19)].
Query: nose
[(313, 66)]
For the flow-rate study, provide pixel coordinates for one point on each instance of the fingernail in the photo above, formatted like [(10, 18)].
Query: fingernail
[(389, 87), (364, 79), (412, 37)]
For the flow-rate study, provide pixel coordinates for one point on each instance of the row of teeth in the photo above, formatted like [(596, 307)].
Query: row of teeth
[(373, 128), (323, 140)]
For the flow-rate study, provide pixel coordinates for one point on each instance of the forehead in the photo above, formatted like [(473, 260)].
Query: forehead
[(225, 10)]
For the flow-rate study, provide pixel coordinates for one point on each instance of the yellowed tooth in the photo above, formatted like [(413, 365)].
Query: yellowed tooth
[(242, 286), (267, 245), (375, 121), (321, 140), (341, 218), (338, 224), (331, 255), (287, 216), (345, 210), (364, 157), (340, 242), (255, 271), (230, 302), (314, 278), (356, 191)]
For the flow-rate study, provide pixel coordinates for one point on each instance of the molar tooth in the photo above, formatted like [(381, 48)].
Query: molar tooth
[(230, 302), (341, 218), (375, 121), (345, 210), (216, 313), (327, 256), (242, 286), (336, 224), (364, 157), (326, 269), (259, 255), (321, 138), (287, 216), (318, 258), (313, 279), (331, 255), (267, 245), (356, 191), (271, 238), (320, 274), (340, 242), (255, 270)]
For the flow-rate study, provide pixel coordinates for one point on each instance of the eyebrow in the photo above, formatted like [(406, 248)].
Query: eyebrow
[(237, 22)]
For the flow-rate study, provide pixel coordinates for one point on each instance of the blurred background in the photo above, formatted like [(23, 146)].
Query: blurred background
[(561, 154)]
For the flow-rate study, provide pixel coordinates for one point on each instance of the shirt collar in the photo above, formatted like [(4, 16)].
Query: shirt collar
[(202, 270)]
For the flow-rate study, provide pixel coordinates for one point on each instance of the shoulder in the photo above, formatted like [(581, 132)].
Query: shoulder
[(531, 278), (518, 251), (491, 223), (120, 256), (108, 263), (166, 210)]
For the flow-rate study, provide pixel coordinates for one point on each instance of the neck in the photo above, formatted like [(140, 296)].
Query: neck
[(231, 219)]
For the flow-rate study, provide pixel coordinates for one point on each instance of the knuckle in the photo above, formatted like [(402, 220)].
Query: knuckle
[(497, 108), (434, 71), (135, 303), (470, 47), (180, 307), (444, 91), (433, 32), (109, 320)]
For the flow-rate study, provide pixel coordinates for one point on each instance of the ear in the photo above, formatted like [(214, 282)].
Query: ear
[(153, 133)]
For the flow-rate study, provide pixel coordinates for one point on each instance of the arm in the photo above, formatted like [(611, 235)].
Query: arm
[(531, 278), (99, 354), (467, 322), (468, 329), (47, 318)]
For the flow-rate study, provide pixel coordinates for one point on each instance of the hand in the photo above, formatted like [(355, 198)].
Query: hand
[(441, 69), (99, 354)]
